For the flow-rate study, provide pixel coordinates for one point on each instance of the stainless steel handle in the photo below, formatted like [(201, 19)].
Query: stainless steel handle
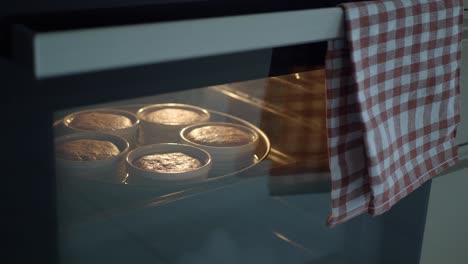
[(75, 51)]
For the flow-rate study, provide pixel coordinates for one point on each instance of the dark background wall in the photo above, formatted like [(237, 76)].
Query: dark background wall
[(10, 7)]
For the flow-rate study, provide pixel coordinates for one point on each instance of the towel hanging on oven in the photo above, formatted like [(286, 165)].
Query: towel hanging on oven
[(392, 101)]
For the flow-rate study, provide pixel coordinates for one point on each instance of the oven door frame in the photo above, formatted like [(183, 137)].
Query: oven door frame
[(31, 99), (36, 93)]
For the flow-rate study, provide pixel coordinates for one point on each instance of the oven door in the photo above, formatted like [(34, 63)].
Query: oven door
[(264, 201)]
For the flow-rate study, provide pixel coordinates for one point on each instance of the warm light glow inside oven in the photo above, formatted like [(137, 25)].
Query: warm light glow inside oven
[(264, 127)]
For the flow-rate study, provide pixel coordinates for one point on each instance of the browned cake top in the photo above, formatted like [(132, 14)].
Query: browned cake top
[(97, 121), (86, 149), (168, 162), (173, 116), (220, 136)]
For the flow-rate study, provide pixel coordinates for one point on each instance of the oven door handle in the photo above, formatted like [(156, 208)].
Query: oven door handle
[(56, 53)]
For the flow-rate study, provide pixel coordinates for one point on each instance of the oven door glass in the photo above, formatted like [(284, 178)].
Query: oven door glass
[(187, 141), (224, 160)]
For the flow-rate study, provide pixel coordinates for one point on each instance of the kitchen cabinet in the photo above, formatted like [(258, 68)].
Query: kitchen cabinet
[(446, 232), (462, 133)]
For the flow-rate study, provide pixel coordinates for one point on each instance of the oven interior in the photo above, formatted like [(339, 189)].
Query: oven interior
[(288, 111)]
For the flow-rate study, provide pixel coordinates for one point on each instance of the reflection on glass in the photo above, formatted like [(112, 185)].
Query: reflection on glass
[(292, 243)]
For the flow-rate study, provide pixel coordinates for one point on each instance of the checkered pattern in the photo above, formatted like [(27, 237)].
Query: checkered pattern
[(392, 101)]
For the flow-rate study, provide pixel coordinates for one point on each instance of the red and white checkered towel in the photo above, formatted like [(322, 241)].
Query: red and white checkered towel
[(392, 101)]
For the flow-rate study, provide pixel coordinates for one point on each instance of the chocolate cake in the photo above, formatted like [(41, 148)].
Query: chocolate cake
[(173, 116), (99, 121), (220, 136), (175, 162), (86, 150)]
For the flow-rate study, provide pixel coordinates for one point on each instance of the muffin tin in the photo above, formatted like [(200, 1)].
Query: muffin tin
[(258, 152)]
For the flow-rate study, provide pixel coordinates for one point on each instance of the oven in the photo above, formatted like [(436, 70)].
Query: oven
[(253, 68)]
